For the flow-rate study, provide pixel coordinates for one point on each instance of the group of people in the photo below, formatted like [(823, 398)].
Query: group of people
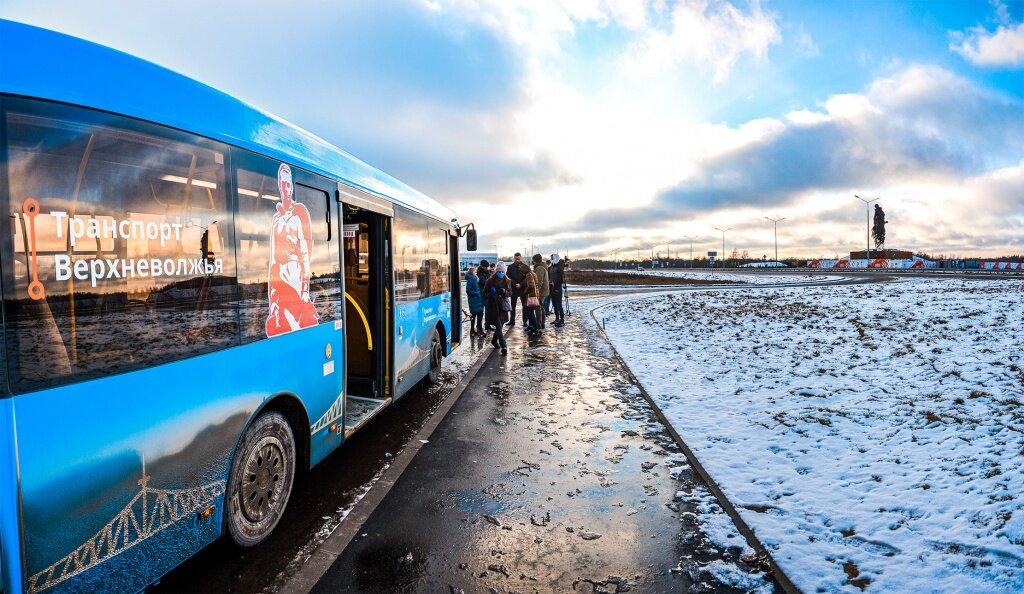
[(495, 290)]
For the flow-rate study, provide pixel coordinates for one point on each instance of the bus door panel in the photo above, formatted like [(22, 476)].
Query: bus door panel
[(366, 240), (319, 304), (456, 286), (365, 311)]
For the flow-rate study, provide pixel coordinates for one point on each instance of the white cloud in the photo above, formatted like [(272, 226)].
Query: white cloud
[(806, 117), (849, 106), (805, 43), (712, 35), (1002, 48), (937, 147)]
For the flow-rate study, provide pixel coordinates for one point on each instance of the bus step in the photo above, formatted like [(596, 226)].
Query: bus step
[(359, 410)]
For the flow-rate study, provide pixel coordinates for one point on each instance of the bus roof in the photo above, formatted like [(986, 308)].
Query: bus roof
[(40, 63)]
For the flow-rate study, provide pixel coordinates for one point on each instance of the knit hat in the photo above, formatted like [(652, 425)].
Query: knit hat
[(500, 266), (554, 258)]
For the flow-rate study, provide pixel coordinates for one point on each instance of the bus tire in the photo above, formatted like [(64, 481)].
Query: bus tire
[(261, 479), (436, 356)]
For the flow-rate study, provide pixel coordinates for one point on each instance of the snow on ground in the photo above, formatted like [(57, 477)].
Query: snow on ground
[(749, 276), (871, 435)]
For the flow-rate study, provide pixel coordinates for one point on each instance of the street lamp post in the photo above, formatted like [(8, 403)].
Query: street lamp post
[(691, 238), (652, 252), (867, 222), (723, 243), (776, 221)]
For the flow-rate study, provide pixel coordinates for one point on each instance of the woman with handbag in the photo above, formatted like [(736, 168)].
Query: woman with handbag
[(498, 290), (532, 294), (544, 287)]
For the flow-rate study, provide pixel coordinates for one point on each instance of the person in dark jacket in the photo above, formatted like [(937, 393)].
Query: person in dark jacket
[(515, 275), (499, 288), (547, 300), (556, 275), (483, 273), (476, 303)]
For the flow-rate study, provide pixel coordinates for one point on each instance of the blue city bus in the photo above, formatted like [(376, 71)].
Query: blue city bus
[(200, 302)]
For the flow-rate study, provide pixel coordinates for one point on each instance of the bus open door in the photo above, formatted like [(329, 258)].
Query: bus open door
[(366, 235)]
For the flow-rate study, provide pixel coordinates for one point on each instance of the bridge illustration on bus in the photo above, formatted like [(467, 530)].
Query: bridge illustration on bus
[(148, 513)]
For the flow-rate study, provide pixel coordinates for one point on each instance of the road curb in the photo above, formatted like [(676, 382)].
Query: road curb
[(321, 559), (755, 543)]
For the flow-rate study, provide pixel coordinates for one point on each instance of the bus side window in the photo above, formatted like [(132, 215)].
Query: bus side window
[(324, 268), (421, 257), (438, 259), (121, 238), (258, 197), (410, 237)]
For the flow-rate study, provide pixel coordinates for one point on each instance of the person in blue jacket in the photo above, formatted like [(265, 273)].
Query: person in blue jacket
[(476, 303)]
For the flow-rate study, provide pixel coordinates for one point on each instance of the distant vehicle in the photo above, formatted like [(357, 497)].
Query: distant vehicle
[(639, 268), (200, 302), (768, 264)]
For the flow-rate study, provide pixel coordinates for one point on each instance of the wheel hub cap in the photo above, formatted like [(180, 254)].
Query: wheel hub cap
[(264, 479)]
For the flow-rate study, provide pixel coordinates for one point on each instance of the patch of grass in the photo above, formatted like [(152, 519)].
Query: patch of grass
[(852, 573)]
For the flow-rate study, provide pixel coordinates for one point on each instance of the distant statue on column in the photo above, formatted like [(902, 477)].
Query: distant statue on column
[(878, 229)]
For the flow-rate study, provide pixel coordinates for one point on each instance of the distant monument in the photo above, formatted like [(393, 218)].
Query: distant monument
[(878, 229)]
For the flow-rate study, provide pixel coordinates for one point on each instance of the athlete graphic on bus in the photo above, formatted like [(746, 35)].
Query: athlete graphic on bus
[(291, 242)]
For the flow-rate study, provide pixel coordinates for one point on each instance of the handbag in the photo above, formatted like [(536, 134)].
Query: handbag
[(532, 302), (506, 304)]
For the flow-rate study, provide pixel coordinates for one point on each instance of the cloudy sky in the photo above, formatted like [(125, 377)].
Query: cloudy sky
[(608, 126)]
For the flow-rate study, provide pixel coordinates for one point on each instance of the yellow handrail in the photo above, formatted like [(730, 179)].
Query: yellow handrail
[(366, 324)]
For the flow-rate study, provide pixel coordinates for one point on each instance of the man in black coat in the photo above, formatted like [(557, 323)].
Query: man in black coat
[(556, 275), (484, 273), (518, 288)]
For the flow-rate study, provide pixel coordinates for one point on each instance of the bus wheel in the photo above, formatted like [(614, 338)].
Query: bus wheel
[(261, 479), (436, 355)]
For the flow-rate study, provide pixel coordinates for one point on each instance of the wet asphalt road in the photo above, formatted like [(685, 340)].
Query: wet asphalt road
[(551, 473)]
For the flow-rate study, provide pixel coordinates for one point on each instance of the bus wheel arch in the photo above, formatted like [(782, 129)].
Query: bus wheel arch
[(291, 408), (436, 353), (270, 456)]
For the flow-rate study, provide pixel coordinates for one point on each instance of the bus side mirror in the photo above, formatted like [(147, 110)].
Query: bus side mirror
[(470, 240)]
